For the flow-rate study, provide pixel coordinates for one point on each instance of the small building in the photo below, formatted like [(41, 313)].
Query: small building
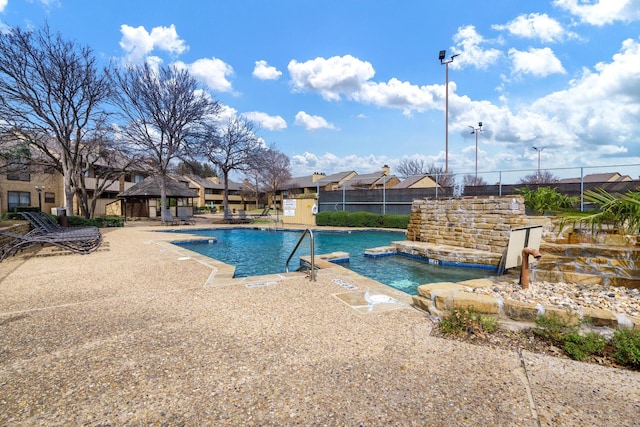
[(143, 199)]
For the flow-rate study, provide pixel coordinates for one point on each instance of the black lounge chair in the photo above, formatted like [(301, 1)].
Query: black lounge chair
[(42, 223), (78, 242)]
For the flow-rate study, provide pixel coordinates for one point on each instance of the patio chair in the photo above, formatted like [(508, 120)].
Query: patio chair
[(168, 218), (81, 243), (42, 223), (184, 219)]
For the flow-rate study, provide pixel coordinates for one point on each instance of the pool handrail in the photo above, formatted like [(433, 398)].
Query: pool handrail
[(312, 274)]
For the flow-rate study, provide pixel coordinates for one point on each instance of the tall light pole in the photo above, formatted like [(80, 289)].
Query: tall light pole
[(441, 56), (476, 130), (39, 190), (539, 150)]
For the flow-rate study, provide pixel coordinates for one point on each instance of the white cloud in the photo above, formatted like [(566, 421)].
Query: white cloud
[(333, 77), (536, 62), (469, 46), (263, 71), (397, 94), (3, 4), (312, 123), (213, 72), (307, 163), (349, 77), (138, 43), (535, 26), (275, 123), (602, 12)]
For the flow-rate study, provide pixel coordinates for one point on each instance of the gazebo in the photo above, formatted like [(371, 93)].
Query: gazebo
[(143, 199)]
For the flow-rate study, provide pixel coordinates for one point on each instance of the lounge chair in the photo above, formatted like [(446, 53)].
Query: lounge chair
[(168, 219), (185, 220), (78, 242), (42, 223)]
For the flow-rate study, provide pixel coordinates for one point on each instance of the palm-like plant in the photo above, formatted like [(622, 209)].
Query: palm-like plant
[(620, 211)]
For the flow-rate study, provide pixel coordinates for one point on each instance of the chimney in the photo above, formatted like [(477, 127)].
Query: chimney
[(316, 176), (385, 170)]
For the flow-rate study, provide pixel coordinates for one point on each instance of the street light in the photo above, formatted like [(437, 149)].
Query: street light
[(539, 150), (441, 56), (476, 130), (39, 190)]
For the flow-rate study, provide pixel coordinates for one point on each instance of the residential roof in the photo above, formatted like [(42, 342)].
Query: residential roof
[(198, 181), (308, 182), (412, 180), (150, 187), (598, 177)]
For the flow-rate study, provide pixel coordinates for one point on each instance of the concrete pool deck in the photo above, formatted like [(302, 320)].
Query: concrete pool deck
[(142, 332)]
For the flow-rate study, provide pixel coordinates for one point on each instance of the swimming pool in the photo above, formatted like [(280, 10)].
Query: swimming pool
[(256, 252)]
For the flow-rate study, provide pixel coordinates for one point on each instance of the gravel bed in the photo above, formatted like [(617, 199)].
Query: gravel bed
[(570, 296)]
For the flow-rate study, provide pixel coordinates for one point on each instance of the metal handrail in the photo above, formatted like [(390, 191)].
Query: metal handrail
[(308, 231)]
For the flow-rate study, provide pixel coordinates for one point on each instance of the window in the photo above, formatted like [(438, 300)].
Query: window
[(18, 198), (138, 178), (49, 197), (18, 172)]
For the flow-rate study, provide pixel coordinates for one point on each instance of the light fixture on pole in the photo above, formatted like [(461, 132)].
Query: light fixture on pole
[(476, 130), (39, 190), (539, 150), (441, 56)]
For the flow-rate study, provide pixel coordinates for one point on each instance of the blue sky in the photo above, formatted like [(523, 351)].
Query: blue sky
[(352, 85)]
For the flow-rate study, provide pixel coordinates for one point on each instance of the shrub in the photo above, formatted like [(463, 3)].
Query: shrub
[(467, 320), (546, 199), (626, 343), (552, 327), (580, 347), (101, 222), (361, 219)]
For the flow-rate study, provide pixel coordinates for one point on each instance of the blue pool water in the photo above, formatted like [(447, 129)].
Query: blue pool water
[(255, 252)]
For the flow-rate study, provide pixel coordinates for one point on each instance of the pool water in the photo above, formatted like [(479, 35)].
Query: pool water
[(256, 252)]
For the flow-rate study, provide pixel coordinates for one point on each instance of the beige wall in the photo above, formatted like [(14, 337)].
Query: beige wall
[(299, 211)]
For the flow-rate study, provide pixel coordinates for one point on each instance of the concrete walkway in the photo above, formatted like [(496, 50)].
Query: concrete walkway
[(142, 332)]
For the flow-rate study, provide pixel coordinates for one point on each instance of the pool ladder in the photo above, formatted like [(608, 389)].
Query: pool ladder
[(312, 272)]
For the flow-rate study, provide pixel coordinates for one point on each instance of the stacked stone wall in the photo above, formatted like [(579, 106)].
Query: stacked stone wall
[(479, 223)]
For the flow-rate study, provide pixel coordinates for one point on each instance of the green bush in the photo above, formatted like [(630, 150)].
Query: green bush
[(580, 347), (100, 222), (626, 343), (554, 328), (546, 199), (467, 320), (361, 219)]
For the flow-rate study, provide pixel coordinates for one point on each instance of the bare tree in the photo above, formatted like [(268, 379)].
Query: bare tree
[(472, 180), (51, 93), (166, 115), (232, 147), (540, 177), (409, 167), (274, 171)]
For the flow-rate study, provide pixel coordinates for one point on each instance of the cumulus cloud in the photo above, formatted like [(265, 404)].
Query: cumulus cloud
[(469, 45), (3, 5), (213, 72), (350, 78), (138, 42), (275, 123), (535, 62), (602, 12), (329, 163), (332, 77), (535, 26), (263, 71), (312, 123)]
